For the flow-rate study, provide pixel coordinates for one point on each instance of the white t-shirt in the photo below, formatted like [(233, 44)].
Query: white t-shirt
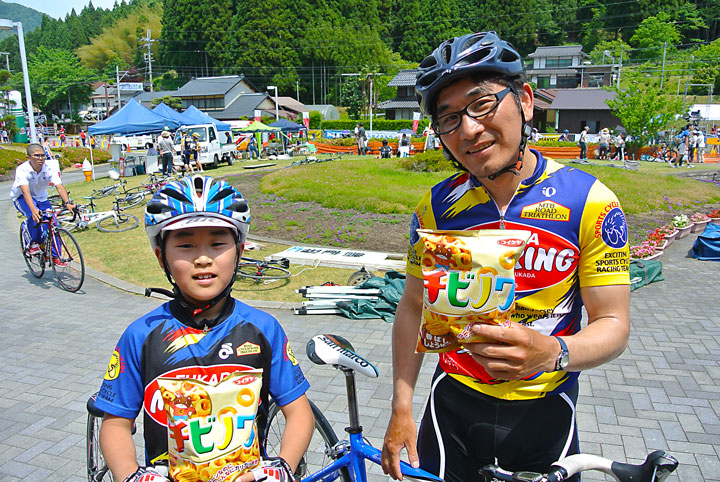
[(38, 182)]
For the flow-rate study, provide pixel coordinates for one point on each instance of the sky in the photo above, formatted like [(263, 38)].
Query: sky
[(58, 9)]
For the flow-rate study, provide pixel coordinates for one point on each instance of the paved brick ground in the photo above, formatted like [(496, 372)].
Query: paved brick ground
[(661, 393)]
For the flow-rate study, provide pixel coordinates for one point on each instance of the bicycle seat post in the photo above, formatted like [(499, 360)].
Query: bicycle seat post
[(353, 412)]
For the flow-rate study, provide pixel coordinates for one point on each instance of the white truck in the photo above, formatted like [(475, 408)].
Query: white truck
[(215, 146)]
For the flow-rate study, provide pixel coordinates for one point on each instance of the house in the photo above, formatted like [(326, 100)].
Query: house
[(564, 66), (577, 108), (214, 94), (291, 109), (404, 103), (245, 105)]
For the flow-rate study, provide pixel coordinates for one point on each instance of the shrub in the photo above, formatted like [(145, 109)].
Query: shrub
[(379, 124), (553, 143), (315, 119), (428, 161)]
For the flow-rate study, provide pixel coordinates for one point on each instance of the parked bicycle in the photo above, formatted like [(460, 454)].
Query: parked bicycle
[(346, 460), (260, 270), (58, 249), (104, 191), (113, 221), (660, 153)]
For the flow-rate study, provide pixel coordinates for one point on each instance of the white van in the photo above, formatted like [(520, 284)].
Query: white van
[(215, 146)]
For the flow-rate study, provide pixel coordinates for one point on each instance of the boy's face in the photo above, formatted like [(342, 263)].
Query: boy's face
[(201, 260)]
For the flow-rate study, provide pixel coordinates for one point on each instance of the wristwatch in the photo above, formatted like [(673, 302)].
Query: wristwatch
[(563, 359)]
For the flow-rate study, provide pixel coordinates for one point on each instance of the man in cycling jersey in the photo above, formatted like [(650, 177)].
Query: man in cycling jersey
[(512, 400), (29, 191)]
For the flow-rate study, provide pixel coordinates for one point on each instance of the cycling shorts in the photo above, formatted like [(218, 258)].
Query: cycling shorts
[(463, 430)]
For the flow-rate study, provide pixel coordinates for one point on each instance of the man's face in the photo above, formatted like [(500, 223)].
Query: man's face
[(486, 145), (37, 159)]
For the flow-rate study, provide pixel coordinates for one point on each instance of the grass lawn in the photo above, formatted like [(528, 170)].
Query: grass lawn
[(364, 184)]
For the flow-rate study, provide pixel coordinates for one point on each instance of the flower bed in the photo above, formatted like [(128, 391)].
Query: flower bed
[(645, 250)]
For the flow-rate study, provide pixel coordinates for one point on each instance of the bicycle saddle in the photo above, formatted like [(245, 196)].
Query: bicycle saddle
[(337, 351)]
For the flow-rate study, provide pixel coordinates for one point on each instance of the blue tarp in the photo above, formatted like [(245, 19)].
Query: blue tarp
[(170, 113), (197, 116), (287, 126), (133, 118), (707, 245)]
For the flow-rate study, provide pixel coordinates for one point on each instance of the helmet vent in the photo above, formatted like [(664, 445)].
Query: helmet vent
[(508, 56), (199, 185), (477, 56), (223, 193), (176, 195), (240, 206), (446, 53)]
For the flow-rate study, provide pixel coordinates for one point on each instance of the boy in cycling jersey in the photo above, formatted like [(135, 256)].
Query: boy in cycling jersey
[(197, 228), (29, 191), (511, 400)]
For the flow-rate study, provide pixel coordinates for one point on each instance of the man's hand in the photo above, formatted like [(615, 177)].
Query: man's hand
[(272, 469), (146, 474), (516, 353), (401, 433)]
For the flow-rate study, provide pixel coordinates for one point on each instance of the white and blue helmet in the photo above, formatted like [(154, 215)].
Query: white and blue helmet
[(196, 201)]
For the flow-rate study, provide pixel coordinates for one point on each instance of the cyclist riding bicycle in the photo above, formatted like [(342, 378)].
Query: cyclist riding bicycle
[(197, 228), (512, 399), (30, 196)]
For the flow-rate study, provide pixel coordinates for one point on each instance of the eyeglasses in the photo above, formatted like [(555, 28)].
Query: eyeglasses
[(39, 155), (477, 109)]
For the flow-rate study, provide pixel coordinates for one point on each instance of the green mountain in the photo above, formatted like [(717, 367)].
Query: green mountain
[(29, 17)]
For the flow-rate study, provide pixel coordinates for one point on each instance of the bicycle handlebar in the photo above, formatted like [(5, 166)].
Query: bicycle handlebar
[(656, 468), (162, 291)]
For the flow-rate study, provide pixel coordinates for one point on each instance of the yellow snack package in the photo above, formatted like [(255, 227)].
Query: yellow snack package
[(468, 278), (212, 435)]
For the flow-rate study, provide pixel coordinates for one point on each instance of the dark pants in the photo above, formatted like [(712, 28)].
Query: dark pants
[(583, 150), (38, 232), (167, 161)]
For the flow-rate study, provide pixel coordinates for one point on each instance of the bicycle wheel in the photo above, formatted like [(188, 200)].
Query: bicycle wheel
[(69, 265), (670, 156), (97, 471), (131, 199), (103, 191), (319, 451), (260, 270), (34, 262), (117, 224)]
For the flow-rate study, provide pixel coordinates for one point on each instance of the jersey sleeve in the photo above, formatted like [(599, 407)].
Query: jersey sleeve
[(287, 381), (121, 392), (604, 255), (422, 218)]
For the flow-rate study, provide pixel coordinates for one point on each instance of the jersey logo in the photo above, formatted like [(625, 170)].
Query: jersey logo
[(614, 228), (546, 210), (247, 348), (115, 367), (153, 401), (290, 354)]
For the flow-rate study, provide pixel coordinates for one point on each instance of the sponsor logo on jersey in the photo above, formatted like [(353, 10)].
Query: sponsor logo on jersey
[(115, 367), (614, 229), (290, 354), (153, 400), (546, 210), (247, 348)]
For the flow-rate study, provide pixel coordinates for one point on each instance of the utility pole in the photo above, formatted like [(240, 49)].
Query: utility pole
[(148, 59), (662, 73), (313, 81), (622, 47), (297, 90)]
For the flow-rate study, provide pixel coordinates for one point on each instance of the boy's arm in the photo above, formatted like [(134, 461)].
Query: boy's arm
[(117, 446), (299, 424), (25, 189)]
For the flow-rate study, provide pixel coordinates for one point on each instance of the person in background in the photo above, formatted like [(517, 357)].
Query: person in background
[(564, 137), (583, 143), (700, 147), (604, 145), (385, 150), (167, 151)]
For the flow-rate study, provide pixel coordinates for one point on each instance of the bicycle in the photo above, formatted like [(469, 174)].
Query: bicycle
[(113, 221), (661, 153), (260, 270), (58, 249), (348, 458)]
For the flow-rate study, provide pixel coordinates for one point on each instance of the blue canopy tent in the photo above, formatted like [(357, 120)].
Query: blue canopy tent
[(170, 113), (288, 126), (133, 118), (197, 116)]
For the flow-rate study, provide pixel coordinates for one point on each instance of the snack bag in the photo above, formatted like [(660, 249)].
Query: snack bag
[(469, 278), (212, 435)]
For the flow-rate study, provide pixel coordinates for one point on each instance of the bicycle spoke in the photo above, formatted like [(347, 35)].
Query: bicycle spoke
[(34, 262), (118, 223)]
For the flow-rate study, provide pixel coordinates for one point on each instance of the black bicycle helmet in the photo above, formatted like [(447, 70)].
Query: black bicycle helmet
[(464, 56)]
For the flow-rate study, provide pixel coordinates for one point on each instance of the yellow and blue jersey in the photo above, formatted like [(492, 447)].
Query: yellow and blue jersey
[(579, 239)]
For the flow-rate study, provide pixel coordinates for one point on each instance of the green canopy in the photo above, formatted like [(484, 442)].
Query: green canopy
[(257, 127)]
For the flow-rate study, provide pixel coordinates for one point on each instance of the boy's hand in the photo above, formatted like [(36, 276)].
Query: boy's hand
[(146, 474), (273, 469)]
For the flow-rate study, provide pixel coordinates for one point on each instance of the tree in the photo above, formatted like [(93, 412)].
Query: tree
[(315, 119), (652, 33), (170, 101), (599, 55), (643, 109), (57, 77), (352, 97)]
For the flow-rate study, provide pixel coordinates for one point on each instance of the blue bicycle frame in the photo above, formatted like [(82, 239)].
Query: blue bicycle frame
[(354, 460)]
